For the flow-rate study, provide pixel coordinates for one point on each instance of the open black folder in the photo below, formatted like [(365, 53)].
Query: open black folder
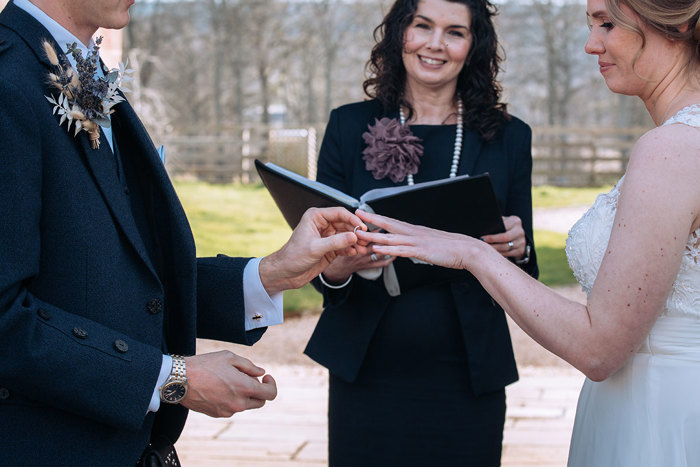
[(464, 204)]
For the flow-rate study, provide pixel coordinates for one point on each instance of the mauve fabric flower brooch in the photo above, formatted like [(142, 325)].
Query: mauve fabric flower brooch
[(392, 150)]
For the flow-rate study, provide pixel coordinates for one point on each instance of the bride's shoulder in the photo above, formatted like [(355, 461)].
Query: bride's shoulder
[(662, 172), (668, 145)]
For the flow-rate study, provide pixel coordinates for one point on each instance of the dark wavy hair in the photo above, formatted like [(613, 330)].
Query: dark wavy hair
[(476, 83)]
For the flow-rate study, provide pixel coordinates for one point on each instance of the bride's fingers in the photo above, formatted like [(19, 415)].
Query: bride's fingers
[(386, 223), (405, 251), (380, 238)]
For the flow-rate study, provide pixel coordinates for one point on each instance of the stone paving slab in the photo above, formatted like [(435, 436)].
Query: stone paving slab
[(291, 430)]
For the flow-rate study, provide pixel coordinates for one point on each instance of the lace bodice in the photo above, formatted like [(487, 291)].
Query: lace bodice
[(588, 240)]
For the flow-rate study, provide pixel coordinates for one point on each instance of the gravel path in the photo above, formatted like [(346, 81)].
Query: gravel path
[(557, 219)]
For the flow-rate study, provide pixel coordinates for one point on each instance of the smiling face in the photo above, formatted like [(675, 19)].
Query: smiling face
[(626, 66), (436, 44)]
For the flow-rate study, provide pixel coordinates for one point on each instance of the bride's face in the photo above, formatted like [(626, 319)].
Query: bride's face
[(626, 67)]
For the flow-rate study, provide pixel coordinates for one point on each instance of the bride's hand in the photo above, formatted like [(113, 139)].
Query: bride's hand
[(437, 247)]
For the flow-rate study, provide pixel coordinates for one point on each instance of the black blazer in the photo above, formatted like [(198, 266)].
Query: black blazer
[(98, 276), (351, 314)]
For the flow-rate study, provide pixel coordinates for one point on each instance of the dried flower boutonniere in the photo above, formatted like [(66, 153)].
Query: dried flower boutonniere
[(85, 99), (392, 150)]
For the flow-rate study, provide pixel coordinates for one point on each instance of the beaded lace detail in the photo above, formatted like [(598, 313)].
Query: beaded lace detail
[(588, 241)]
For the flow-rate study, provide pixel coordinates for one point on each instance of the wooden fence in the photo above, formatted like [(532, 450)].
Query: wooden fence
[(581, 156), (561, 156)]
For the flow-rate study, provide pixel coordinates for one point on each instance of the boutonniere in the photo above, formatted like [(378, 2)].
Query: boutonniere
[(392, 150), (86, 99)]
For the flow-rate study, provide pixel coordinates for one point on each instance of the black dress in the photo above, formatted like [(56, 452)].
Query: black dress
[(413, 400)]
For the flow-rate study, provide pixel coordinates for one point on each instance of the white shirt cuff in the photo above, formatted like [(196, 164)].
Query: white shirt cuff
[(165, 369), (260, 309)]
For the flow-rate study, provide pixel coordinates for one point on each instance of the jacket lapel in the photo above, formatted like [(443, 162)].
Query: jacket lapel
[(164, 206), (168, 201), (103, 165)]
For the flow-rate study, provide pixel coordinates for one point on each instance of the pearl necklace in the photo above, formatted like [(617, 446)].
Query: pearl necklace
[(458, 139)]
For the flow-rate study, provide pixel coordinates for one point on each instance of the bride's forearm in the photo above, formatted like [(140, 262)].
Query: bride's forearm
[(560, 325), (597, 342)]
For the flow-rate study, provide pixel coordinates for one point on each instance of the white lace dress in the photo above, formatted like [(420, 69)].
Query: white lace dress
[(648, 412)]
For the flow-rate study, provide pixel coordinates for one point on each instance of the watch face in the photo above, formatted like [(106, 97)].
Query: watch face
[(174, 392)]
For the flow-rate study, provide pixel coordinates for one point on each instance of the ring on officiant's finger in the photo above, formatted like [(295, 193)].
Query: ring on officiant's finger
[(373, 257), (510, 245)]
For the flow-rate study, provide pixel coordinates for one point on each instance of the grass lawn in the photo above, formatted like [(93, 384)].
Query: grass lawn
[(555, 197), (242, 220)]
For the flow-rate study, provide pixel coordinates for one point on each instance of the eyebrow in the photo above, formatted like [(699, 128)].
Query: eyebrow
[(425, 18), (598, 14)]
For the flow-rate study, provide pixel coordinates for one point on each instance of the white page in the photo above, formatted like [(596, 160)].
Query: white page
[(385, 192)]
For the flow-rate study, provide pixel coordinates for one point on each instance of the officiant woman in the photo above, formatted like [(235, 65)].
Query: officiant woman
[(417, 377)]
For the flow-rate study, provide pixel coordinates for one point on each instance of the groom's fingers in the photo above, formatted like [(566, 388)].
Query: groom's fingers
[(246, 366), (338, 243), (336, 217), (264, 391)]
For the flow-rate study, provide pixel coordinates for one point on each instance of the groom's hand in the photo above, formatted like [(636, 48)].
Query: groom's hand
[(221, 384), (322, 234)]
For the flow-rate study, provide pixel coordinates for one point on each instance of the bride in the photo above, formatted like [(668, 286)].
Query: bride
[(636, 253)]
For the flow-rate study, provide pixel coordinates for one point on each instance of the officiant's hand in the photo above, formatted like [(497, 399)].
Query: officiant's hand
[(321, 236), (221, 384), (510, 243), (343, 266)]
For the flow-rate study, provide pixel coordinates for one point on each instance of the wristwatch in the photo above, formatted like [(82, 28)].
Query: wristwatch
[(175, 387)]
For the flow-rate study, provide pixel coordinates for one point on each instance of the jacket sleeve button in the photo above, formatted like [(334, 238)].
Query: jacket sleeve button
[(43, 314), (4, 393), (121, 346), (80, 333)]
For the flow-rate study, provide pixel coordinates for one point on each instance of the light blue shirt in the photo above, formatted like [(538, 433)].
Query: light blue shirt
[(260, 309)]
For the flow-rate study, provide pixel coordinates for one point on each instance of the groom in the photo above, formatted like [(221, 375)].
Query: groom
[(100, 290)]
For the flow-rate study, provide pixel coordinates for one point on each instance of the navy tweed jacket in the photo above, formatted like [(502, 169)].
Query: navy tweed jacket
[(98, 276)]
